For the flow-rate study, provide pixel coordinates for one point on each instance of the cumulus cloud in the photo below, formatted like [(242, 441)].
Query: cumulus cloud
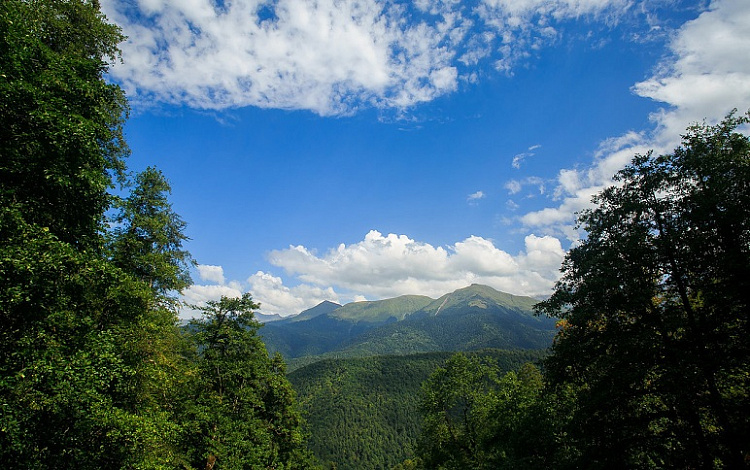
[(276, 298), (327, 56), (705, 75), (383, 266), (211, 273), (198, 294)]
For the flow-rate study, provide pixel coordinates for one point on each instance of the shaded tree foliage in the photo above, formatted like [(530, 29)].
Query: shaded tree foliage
[(655, 307), (476, 417), (651, 365), (94, 370), (365, 412)]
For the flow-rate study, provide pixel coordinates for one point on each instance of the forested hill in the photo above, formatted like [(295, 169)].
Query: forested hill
[(468, 319), (364, 413)]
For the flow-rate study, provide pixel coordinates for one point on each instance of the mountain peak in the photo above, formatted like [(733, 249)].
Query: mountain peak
[(323, 308), (479, 296)]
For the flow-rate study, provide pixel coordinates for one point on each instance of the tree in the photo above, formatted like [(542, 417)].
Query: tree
[(148, 236), (243, 413), (475, 418), (455, 402), (654, 306), (94, 372), (61, 138)]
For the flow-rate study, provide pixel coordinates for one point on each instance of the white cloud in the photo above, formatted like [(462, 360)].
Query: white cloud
[(708, 73), (198, 294), (211, 273), (519, 158), (276, 298), (705, 76), (524, 26), (386, 266), (513, 186), (476, 196), (327, 56)]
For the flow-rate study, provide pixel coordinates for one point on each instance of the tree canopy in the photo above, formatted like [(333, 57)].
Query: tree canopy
[(651, 364), (95, 371), (655, 303)]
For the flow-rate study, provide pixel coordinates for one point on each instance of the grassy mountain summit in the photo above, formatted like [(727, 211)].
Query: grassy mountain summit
[(467, 319), (478, 296), (378, 311), (322, 308)]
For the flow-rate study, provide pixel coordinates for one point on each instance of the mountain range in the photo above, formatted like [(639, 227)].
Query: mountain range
[(472, 318)]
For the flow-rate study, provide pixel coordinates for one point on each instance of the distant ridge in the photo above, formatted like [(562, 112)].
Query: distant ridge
[(394, 309), (467, 319), (264, 318), (322, 308)]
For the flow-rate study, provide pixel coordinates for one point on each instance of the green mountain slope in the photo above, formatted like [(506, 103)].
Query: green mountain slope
[(466, 332), (468, 319), (322, 308), (479, 297), (380, 311), (363, 413)]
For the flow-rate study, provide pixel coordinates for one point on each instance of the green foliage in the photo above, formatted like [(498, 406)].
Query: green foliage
[(147, 240), (655, 309), (94, 372), (243, 413), (364, 412), (60, 122), (64, 381), (477, 417)]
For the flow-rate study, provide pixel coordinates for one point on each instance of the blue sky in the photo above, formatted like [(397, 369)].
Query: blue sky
[(348, 150)]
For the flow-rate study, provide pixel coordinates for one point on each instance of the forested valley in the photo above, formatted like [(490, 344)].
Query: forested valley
[(649, 366)]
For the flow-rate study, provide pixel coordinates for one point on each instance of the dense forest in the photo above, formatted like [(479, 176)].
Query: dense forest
[(650, 366), (365, 412), (94, 371)]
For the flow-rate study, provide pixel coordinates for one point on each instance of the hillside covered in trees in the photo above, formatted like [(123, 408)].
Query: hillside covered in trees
[(365, 412), (649, 367)]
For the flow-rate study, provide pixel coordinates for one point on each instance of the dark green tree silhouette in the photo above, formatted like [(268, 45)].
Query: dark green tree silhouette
[(655, 306)]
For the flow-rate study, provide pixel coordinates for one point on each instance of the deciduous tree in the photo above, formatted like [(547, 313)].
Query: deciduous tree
[(655, 305)]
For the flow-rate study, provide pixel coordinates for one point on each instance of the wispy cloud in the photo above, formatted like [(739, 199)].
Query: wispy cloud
[(474, 197), (515, 186), (328, 56), (705, 75), (518, 159)]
